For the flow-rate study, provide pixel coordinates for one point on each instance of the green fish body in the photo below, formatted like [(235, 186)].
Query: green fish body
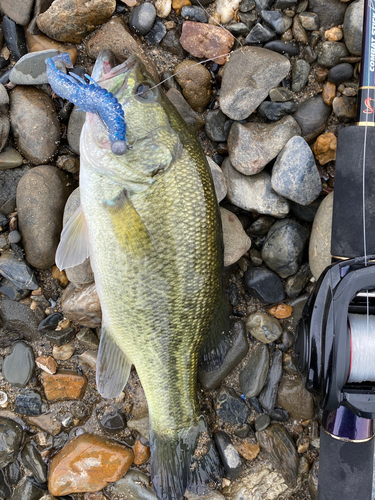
[(151, 225)]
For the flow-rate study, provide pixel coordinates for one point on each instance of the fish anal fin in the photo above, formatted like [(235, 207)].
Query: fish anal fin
[(128, 225), (112, 367), (74, 246)]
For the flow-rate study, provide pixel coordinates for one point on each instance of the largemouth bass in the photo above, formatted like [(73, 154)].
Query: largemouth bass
[(150, 221)]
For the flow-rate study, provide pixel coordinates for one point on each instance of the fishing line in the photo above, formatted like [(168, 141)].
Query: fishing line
[(361, 328)]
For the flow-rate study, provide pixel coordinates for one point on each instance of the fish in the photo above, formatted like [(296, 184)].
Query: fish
[(149, 220)]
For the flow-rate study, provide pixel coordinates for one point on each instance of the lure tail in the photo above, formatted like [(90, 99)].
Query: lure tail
[(185, 460)]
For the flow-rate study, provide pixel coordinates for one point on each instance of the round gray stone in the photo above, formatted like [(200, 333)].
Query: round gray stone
[(253, 376), (263, 327), (330, 12), (9, 180), (312, 116), (300, 74), (19, 365), (294, 174), (330, 53), (353, 27), (135, 484)]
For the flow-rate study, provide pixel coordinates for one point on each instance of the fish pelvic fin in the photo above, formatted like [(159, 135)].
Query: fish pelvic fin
[(112, 367), (186, 459), (74, 245), (128, 226)]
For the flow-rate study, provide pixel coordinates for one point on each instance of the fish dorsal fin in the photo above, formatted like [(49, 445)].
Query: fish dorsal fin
[(74, 246), (112, 367), (128, 225)]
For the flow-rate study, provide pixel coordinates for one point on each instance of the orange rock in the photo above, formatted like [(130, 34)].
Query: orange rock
[(206, 41), (281, 311), (36, 43), (178, 4), (87, 464), (141, 453), (46, 363), (248, 450), (334, 34), (59, 275), (329, 93), (64, 385), (321, 74), (325, 147)]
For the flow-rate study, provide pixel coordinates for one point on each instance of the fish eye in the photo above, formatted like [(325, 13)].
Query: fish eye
[(144, 91)]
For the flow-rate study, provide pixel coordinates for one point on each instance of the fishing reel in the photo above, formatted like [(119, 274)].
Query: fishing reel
[(335, 343)]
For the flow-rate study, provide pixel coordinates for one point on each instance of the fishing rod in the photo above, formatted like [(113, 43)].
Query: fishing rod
[(335, 343)]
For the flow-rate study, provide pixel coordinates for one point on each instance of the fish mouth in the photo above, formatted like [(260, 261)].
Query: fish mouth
[(122, 68)]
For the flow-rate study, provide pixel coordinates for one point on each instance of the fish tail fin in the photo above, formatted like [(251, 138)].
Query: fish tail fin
[(186, 459)]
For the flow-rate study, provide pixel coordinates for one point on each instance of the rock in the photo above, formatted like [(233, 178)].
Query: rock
[(325, 147), (12, 291), (163, 7), (20, 318), (194, 13), (238, 348), (276, 110), (31, 68), (295, 399), (32, 460), (329, 12), (141, 453), (262, 422), (88, 338), (263, 327), (329, 93), (334, 34), (195, 81), (253, 193), (206, 41), (219, 180), (27, 489), (39, 42), (192, 119), (236, 241), (230, 407), (226, 10), (248, 450), (19, 13), (171, 43), (40, 121), (294, 174), (63, 352), (312, 116), (299, 31), (88, 358), (142, 18), (309, 20), (14, 37), (112, 422), (298, 304), (216, 126), (135, 484), (320, 241), (345, 107), (267, 397), (46, 422), (312, 480), (283, 248), (280, 94), (178, 4), (19, 365), (81, 274), (254, 374), (281, 47), (88, 463), (330, 53), (279, 445), (275, 20), (72, 21), (41, 196), (300, 75), (353, 27), (82, 305), (64, 385), (10, 158), (297, 282), (281, 311), (156, 34), (76, 120), (114, 37), (60, 337), (51, 322), (28, 403), (261, 226), (259, 34), (309, 55), (10, 440), (229, 455), (17, 271), (250, 149), (141, 425), (279, 414), (340, 73), (5, 489), (248, 76), (264, 285)]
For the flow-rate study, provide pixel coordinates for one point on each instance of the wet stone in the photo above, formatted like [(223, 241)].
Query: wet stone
[(242, 430), (309, 20), (299, 32), (330, 53), (50, 322), (142, 18), (140, 425), (10, 440), (5, 489), (345, 107), (237, 351), (27, 489), (259, 34), (79, 409), (230, 407), (88, 463), (20, 318), (300, 74), (13, 472), (262, 422), (88, 338), (287, 340), (135, 484), (290, 48), (280, 94), (279, 445), (312, 116), (60, 337), (264, 285), (81, 305), (263, 327), (19, 365), (156, 34), (17, 271), (112, 422), (279, 414), (64, 385), (229, 455), (281, 311), (340, 73), (46, 422), (353, 27), (283, 249), (295, 399), (14, 38), (142, 453), (253, 376), (28, 403), (268, 395), (32, 460), (312, 480)]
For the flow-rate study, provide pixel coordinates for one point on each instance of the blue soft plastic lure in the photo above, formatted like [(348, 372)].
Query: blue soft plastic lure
[(89, 97)]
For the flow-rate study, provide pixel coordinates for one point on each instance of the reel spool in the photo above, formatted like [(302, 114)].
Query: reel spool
[(335, 343)]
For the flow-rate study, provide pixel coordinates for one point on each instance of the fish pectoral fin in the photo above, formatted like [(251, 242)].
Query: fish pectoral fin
[(128, 225), (74, 246), (112, 367)]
